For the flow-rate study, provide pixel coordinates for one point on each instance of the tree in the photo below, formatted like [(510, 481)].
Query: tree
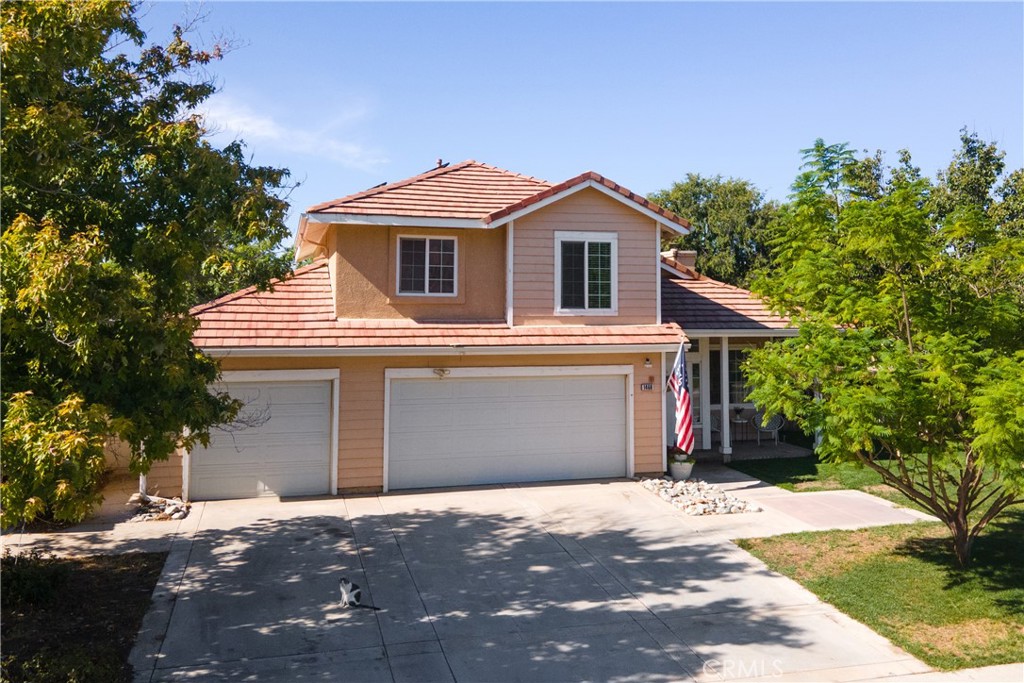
[(118, 215), (910, 300), (729, 218)]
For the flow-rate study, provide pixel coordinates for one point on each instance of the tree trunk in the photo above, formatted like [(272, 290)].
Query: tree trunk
[(963, 542)]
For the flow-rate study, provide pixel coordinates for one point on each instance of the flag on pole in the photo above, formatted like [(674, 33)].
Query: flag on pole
[(679, 382)]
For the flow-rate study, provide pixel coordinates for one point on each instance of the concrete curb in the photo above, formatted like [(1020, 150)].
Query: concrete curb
[(149, 641)]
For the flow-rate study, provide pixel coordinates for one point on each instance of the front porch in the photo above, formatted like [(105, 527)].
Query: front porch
[(749, 450)]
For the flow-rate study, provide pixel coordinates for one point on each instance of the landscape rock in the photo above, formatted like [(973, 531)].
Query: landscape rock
[(158, 508), (696, 497)]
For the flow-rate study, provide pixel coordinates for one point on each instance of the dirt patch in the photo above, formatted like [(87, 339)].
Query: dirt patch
[(831, 554), (74, 618), (965, 636), (823, 485)]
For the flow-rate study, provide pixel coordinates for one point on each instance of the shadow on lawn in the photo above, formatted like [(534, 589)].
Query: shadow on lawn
[(997, 558), (509, 598)]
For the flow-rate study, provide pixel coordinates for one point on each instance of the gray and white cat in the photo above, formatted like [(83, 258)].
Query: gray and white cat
[(352, 595)]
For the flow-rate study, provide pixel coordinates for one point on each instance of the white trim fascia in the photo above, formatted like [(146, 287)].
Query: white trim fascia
[(299, 234), (391, 374), (396, 221), (679, 273), (510, 371), (186, 467), (743, 332), (532, 350), (278, 375), (664, 409), (335, 419), (586, 237), (657, 271), (426, 266), (600, 188), (630, 416), (509, 273), (387, 426)]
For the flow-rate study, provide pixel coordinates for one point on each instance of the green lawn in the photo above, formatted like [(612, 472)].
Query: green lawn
[(810, 474), (902, 582)]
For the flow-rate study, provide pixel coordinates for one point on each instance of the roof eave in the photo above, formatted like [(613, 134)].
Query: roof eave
[(454, 350), (693, 332)]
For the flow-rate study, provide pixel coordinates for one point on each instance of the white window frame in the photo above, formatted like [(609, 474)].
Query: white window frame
[(566, 236), (426, 270)]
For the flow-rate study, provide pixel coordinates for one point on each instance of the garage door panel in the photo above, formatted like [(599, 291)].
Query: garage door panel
[(476, 431), (282, 449), (482, 389), (513, 467)]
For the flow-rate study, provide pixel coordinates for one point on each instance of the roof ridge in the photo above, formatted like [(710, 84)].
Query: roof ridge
[(713, 281), (514, 173), (432, 173), (233, 296)]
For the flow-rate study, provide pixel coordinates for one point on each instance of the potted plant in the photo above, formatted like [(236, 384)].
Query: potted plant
[(680, 465)]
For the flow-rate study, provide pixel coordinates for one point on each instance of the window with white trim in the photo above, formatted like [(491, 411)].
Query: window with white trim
[(426, 265), (586, 272)]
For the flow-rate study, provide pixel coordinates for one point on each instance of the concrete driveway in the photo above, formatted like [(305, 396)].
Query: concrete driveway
[(590, 581)]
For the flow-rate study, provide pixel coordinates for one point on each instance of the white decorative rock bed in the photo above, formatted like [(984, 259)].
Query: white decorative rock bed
[(696, 497)]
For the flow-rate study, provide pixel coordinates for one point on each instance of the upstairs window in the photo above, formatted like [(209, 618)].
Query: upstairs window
[(586, 272), (426, 265)]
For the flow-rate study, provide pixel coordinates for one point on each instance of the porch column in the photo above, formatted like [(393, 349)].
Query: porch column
[(726, 421), (705, 393)]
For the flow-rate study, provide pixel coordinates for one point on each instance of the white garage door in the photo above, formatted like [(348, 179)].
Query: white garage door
[(280, 444), (462, 431)]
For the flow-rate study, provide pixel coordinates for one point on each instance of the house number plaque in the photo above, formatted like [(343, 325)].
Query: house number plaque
[(646, 387)]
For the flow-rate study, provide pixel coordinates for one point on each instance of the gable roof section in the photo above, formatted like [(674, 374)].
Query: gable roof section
[(704, 306), (464, 195), (297, 317), (582, 181)]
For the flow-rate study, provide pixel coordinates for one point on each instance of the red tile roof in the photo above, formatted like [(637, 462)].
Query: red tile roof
[(299, 313), (467, 190), (698, 304), (471, 190)]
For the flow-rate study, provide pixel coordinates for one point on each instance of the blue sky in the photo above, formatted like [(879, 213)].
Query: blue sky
[(349, 95)]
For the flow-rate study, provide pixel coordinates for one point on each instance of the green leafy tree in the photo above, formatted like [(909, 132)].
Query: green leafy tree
[(729, 218), (910, 300), (118, 215)]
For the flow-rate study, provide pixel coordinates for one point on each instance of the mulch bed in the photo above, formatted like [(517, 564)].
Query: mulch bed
[(73, 619)]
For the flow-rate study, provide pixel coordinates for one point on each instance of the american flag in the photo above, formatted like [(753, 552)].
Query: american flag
[(679, 382)]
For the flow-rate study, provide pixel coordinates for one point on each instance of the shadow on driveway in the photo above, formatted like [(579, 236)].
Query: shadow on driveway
[(506, 584)]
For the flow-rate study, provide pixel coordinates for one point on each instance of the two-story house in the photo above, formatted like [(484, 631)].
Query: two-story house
[(468, 325)]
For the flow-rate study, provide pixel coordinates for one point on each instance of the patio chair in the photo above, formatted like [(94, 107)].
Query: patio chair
[(715, 423), (770, 426)]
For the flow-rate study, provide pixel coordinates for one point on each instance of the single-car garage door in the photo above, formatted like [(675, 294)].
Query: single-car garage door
[(457, 431), (280, 444)]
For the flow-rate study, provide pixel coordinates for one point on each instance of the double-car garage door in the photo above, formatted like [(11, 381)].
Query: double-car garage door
[(473, 427), (453, 431)]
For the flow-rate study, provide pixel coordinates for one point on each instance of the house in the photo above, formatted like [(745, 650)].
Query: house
[(468, 325)]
